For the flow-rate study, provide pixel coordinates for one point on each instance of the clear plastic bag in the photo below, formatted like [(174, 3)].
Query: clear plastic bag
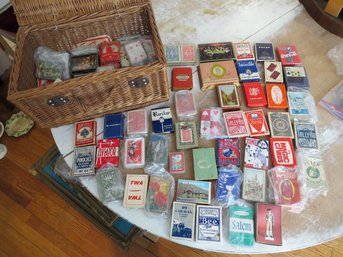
[(302, 106), (336, 56), (160, 191), (137, 123), (51, 65), (110, 183), (158, 150), (212, 124), (229, 182), (136, 53), (333, 100), (185, 105), (134, 153)]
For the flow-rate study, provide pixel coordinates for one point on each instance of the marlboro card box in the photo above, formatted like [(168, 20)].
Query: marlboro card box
[(182, 79), (114, 126), (289, 55), (135, 191), (107, 152), (85, 133), (277, 96), (254, 94), (243, 51), (264, 52), (215, 52), (217, 73), (273, 72), (247, 71), (162, 120), (282, 151), (95, 94), (268, 224)]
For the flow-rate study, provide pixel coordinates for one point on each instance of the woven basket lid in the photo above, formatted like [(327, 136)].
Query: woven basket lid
[(30, 12)]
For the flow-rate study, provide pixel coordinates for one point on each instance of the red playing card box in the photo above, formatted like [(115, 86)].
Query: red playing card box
[(268, 224), (182, 79), (254, 94), (107, 152), (110, 53), (177, 162), (85, 133), (134, 153), (257, 123), (235, 123), (277, 96), (289, 55), (283, 152)]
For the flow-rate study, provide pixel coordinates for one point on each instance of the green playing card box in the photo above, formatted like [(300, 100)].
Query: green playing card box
[(241, 226), (205, 167)]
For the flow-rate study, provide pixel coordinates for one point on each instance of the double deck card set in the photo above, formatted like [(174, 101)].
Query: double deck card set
[(252, 158)]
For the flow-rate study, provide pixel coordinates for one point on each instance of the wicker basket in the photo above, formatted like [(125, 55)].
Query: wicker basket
[(60, 25)]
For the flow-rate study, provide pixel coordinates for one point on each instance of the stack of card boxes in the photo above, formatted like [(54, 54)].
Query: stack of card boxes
[(184, 54)]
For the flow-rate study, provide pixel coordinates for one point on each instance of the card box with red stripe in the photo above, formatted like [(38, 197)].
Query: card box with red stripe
[(254, 94), (283, 152), (107, 152), (85, 133), (182, 78)]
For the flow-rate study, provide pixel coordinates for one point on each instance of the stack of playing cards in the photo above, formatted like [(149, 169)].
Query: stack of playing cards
[(280, 124), (180, 54), (136, 53), (186, 135), (296, 77), (204, 161), (110, 184), (235, 123), (228, 185), (256, 123), (182, 78), (137, 122), (283, 152), (215, 52), (185, 105), (289, 55), (177, 162), (107, 152), (306, 135), (247, 71), (243, 51), (300, 103), (193, 191), (212, 124), (241, 225), (277, 96), (273, 72), (254, 94), (158, 150), (256, 153), (228, 97), (254, 185)]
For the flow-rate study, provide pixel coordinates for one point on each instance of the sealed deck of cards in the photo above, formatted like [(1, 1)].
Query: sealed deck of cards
[(68, 24)]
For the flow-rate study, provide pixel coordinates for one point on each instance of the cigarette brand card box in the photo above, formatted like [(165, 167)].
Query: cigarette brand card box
[(268, 223), (228, 152), (243, 51), (241, 225), (216, 52), (135, 190), (162, 120), (264, 52), (296, 77), (205, 167), (217, 73), (209, 224), (273, 72), (254, 94), (277, 96), (183, 221), (114, 126), (228, 97), (247, 71), (85, 133), (289, 55), (282, 152), (182, 78)]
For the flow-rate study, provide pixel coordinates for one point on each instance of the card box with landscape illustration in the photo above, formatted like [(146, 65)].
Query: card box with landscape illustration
[(183, 221), (193, 191)]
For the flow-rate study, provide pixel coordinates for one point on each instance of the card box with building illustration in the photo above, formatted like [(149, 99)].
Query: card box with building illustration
[(228, 97), (193, 191), (254, 185), (183, 221)]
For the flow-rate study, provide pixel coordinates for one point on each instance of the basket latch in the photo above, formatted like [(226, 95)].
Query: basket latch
[(139, 82), (58, 101)]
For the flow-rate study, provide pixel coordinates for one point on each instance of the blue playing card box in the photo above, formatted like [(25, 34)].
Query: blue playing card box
[(248, 71), (162, 120), (264, 52), (114, 126)]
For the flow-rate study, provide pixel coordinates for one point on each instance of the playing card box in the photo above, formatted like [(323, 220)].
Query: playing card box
[(158, 150), (212, 124), (254, 94), (107, 152), (235, 123), (110, 53), (205, 167), (209, 224), (289, 55), (159, 196), (136, 53), (212, 74), (134, 155), (268, 224), (84, 161), (284, 182), (85, 133), (228, 152), (135, 190), (183, 221), (215, 52), (81, 65), (296, 77), (314, 173), (193, 191), (162, 120), (256, 123), (114, 126), (299, 108), (280, 124), (254, 185), (186, 135), (282, 152), (228, 185), (185, 105), (247, 71), (256, 153), (273, 72), (241, 225), (110, 184), (177, 162), (184, 54), (264, 52), (228, 97), (277, 96), (137, 122), (305, 135), (243, 51), (182, 78)]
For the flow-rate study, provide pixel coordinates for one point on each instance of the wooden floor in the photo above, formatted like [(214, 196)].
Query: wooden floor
[(35, 221)]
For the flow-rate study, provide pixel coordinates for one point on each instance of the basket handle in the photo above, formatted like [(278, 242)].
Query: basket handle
[(57, 101)]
